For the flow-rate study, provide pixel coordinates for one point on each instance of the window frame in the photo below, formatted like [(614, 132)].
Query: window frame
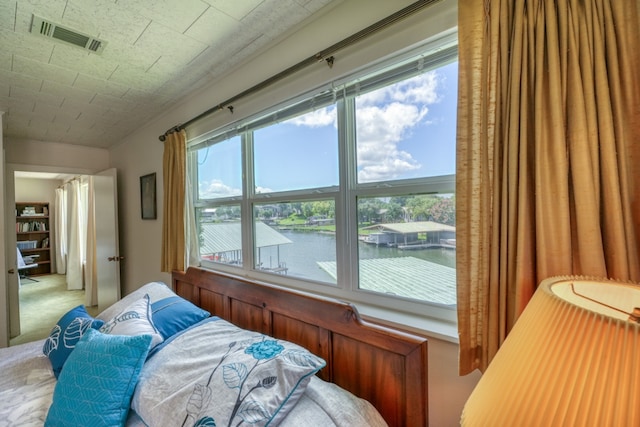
[(345, 195)]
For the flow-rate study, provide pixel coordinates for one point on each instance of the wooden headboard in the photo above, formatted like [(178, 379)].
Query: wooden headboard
[(385, 366)]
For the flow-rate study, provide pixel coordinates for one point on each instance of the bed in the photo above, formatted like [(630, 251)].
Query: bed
[(239, 352)]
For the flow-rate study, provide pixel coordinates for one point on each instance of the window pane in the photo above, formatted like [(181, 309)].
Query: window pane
[(296, 239), (408, 129), (220, 234), (220, 170), (407, 246), (297, 154), (398, 139)]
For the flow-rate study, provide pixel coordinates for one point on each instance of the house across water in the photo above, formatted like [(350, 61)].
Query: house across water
[(412, 235)]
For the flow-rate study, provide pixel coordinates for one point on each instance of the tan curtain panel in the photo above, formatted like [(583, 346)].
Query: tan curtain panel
[(548, 137), (173, 220)]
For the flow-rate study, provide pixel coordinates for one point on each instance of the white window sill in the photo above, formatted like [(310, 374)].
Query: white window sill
[(442, 329), (429, 327)]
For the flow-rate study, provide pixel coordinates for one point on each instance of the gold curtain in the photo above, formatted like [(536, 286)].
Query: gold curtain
[(548, 132), (173, 220)]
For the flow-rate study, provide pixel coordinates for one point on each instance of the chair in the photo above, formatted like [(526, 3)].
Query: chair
[(23, 266)]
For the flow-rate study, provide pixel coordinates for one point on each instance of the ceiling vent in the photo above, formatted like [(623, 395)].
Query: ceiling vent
[(50, 30)]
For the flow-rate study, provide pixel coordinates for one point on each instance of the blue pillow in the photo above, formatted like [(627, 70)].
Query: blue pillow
[(65, 334), (174, 314), (98, 380)]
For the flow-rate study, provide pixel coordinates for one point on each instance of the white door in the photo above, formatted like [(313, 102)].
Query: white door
[(10, 277), (11, 306), (107, 246)]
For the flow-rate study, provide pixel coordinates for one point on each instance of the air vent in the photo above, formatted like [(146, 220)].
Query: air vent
[(51, 30)]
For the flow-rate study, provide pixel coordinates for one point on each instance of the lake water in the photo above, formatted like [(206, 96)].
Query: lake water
[(308, 248)]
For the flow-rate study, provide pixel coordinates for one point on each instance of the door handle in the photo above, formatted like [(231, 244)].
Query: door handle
[(115, 258), (11, 271)]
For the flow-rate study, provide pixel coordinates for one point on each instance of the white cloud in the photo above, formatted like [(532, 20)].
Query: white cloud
[(317, 118), (263, 190), (422, 89), (384, 118), (380, 129), (216, 189)]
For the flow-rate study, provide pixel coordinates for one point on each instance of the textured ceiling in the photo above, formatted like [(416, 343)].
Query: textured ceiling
[(156, 51)]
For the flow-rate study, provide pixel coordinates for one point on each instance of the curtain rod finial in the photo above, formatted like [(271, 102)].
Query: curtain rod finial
[(330, 61)]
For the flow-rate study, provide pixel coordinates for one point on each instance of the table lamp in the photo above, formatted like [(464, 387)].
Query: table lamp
[(571, 359)]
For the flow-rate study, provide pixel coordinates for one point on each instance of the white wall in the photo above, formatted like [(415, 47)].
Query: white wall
[(140, 240), (448, 391), (141, 152), (42, 156)]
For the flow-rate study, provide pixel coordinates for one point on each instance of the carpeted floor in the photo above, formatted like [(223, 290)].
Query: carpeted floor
[(42, 303)]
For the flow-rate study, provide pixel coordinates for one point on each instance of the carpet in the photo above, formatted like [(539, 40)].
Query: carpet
[(43, 303)]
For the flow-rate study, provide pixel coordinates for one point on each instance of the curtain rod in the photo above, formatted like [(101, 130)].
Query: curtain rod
[(75, 178), (325, 55)]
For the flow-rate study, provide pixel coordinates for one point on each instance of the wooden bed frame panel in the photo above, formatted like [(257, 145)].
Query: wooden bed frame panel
[(387, 367)]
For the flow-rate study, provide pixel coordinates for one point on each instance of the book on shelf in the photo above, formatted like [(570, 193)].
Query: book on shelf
[(26, 227)]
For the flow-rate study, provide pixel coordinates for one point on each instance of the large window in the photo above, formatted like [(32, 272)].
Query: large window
[(350, 191)]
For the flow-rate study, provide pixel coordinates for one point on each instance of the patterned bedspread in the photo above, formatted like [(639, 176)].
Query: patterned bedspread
[(27, 383)]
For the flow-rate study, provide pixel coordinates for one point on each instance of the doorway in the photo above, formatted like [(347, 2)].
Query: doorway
[(44, 294), (85, 269)]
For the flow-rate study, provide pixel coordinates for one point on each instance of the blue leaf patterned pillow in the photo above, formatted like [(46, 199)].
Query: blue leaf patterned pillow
[(65, 335), (96, 385), (218, 374)]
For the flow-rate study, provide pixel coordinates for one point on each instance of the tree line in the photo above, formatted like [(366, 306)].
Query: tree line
[(370, 210)]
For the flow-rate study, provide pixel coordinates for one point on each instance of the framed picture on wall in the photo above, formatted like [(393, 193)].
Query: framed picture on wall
[(148, 196)]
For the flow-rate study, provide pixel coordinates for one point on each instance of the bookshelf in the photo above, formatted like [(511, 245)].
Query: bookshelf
[(33, 235)]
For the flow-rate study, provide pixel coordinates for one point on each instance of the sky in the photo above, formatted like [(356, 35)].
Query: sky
[(406, 130)]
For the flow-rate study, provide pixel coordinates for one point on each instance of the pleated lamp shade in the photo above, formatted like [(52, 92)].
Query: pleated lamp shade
[(571, 359)]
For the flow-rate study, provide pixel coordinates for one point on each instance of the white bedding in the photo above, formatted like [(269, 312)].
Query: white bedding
[(27, 383), (325, 404)]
